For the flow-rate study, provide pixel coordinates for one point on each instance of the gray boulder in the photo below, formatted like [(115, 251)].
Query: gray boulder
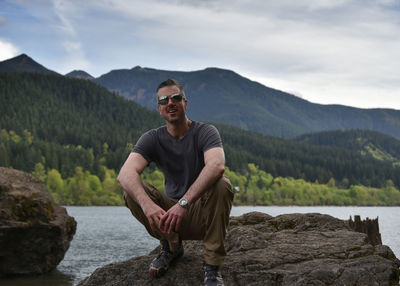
[(291, 249), (35, 233)]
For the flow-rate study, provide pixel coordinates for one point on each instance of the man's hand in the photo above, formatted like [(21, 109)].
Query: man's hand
[(172, 219), (154, 215)]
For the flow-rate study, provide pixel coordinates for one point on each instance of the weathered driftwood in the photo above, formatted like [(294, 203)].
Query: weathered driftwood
[(367, 226)]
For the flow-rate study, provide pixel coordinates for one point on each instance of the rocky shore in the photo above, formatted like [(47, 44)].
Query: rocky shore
[(291, 249)]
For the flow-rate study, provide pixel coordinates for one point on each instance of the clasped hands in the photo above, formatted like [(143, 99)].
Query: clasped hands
[(166, 221)]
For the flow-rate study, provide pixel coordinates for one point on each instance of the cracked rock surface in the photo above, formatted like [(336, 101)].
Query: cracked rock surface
[(291, 249)]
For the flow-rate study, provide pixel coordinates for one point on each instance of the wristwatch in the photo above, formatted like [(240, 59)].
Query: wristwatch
[(183, 203)]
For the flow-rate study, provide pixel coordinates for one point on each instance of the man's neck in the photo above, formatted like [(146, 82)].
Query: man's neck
[(178, 130)]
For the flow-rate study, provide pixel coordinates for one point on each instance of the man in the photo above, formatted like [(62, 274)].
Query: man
[(198, 198)]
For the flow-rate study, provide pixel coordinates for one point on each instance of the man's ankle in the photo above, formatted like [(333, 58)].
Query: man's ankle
[(212, 275)]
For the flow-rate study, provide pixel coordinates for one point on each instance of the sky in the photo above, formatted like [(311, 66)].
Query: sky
[(325, 51)]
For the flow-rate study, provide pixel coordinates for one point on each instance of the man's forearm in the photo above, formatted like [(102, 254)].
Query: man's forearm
[(207, 177), (130, 180), (132, 184)]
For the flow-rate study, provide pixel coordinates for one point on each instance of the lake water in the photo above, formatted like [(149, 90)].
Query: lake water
[(110, 234)]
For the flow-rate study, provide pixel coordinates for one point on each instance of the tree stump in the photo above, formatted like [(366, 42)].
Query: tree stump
[(367, 226)]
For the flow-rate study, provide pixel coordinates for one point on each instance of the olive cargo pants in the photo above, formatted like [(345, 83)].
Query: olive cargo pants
[(207, 219)]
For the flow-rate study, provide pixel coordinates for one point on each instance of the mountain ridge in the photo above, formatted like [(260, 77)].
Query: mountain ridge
[(224, 96), (25, 63), (80, 74)]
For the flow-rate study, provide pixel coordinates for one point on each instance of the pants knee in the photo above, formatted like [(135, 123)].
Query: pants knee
[(223, 188)]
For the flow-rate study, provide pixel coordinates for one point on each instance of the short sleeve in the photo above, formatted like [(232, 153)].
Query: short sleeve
[(209, 137), (145, 146)]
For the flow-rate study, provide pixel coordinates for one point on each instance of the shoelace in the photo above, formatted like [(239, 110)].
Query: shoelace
[(163, 253), (211, 272)]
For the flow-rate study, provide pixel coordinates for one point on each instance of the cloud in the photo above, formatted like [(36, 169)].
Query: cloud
[(7, 50), (70, 39), (320, 46), (324, 50), (62, 11)]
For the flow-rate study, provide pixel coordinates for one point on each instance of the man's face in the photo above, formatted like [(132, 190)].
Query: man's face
[(172, 111)]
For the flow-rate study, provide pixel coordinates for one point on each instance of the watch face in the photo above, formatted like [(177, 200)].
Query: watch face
[(183, 202)]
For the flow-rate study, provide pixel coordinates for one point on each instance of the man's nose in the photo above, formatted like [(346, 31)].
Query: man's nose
[(170, 100)]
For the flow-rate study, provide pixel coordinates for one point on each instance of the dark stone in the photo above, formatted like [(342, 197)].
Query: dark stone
[(291, 249), (35, 233)]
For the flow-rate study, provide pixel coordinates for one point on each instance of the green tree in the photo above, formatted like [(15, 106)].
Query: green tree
[(55, 184), (40, 172)]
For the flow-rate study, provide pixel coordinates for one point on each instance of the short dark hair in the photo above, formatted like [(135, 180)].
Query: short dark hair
[(171, 82)]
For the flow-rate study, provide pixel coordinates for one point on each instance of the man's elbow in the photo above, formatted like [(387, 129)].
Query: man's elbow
[(220, 169), (121, 177)]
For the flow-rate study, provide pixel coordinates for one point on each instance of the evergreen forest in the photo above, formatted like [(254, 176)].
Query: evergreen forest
[(75, 135)]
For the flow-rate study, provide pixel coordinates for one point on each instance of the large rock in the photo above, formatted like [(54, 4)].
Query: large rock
[(292, 249), (34, 232)]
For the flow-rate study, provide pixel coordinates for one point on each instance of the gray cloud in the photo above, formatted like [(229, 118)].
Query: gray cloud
[(328, 51)]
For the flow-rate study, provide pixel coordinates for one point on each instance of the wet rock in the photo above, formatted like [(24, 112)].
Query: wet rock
[(35, 233), (291, 249)]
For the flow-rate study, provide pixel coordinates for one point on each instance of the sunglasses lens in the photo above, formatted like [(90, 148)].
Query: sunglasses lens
[(176, 98), (163, 100)]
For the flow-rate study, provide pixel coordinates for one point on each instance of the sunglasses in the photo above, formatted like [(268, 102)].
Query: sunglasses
[(163, 100)]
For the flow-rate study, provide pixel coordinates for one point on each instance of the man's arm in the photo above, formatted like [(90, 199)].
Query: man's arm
[(214, 168), (214, 160), (129, 178)]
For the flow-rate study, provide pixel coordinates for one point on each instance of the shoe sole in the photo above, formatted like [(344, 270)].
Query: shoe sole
[(157, 273)]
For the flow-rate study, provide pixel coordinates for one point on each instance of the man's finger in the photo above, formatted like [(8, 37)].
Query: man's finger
[(151, 223), (168, 223), (172, 225), (162, 220)]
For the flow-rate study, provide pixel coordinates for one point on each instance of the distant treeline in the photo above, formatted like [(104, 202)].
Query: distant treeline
[(254, 187), (65, 123)]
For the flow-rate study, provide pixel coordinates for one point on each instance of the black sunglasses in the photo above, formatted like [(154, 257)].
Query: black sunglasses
[(163, 100)]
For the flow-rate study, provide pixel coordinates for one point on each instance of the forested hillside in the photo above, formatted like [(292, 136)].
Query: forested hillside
[(64, 123), (380, 146)]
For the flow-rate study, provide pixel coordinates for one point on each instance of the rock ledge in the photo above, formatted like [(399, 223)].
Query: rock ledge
[(291, 249)]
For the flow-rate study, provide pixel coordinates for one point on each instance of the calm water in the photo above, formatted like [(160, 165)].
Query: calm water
[(110, 234)]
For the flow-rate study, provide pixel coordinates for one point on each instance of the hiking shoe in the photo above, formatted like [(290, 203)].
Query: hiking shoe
[(212, 276), (160, 264)]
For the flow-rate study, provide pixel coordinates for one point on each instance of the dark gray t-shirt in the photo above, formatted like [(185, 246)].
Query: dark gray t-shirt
[(181, 161)]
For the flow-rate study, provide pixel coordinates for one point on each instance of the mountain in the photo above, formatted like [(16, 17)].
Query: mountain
[(79, 74), (369, 143), (224, 96), (23, 63), (64, 122)]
